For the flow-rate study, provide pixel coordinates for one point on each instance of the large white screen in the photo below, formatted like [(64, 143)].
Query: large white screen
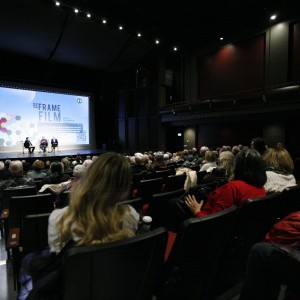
[(36, 114)]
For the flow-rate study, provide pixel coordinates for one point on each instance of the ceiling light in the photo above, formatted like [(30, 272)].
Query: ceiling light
[(57, 3), (76, 10), (139, 34), (273, 17), (175, 48), (88, 15), (121, 27), (103, 21), (156, 41), (221, 38)]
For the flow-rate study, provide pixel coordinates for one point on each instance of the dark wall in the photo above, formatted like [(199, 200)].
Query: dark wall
[(232, 69), (295, 55)]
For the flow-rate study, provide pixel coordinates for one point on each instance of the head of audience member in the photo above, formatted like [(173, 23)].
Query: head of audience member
[(57, 167), (2, 166), (7, 163), (250, 167), (16, 168), (94, 157), (211, 156), (87, 163), (278, 159), (93, 213), (66, 162), (38, 165), (78, 171), (259, 144), (226, 161), (235, 150), (203, 149)]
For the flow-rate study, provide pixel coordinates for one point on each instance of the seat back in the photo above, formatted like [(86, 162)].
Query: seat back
[(200, 176), (146, 188), (136, 203), (34, 236), (174, 182), (290, 201), (254, 219), (194, 256), (20, 206), (127, 269), (164, 173), (159, 208), (16, 191)]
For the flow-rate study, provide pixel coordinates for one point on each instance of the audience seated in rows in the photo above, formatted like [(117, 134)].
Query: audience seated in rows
[(249, 179)]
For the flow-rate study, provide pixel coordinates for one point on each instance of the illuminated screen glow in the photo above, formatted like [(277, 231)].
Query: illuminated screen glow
[(38, 113)]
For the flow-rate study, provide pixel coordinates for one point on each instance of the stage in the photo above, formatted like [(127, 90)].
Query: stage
[(59, 154)]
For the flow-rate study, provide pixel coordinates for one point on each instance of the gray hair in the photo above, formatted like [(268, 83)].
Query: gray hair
[(16, 168), (78, 171)]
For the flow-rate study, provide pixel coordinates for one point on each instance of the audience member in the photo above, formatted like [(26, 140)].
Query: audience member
[(210, 158), (16, 177), (259, 144), (57, 174), (268, 265), (67, 165), (87, 162), (159, 162), (268, 268), (280, 167), (37, 170), (94, 214)]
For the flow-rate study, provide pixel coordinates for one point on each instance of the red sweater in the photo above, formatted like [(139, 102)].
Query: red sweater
[(234, 192)]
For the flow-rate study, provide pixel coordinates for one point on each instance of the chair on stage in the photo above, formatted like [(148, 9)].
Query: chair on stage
[(126, 269), (54, 144)]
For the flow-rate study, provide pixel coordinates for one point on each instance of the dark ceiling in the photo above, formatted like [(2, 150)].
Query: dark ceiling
[(43, 30)]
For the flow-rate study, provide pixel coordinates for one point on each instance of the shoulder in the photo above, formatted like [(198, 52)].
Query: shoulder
[(56, 214)]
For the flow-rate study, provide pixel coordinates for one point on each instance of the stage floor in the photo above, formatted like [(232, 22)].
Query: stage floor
[(50, 155)]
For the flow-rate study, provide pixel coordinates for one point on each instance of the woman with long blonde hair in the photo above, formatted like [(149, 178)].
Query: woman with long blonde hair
[(94, 214)]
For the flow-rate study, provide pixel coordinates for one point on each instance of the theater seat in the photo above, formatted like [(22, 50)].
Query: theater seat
[(190, 269), (127, 269)]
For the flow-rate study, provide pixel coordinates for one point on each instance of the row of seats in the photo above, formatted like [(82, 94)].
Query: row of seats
[(204, 253), (24, 212)]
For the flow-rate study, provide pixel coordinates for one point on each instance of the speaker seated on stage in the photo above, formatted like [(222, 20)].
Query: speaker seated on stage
[(43, 144), (28, 145), (54, 143)]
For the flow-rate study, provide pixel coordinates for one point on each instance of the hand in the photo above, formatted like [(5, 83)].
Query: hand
[(192, 204)]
